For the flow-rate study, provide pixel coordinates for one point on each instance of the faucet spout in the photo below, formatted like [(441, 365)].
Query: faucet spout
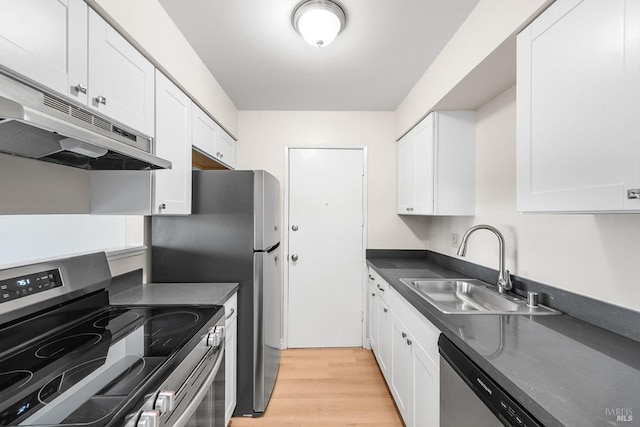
[(504, 277)]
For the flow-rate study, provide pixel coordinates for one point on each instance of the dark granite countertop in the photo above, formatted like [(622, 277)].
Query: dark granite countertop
[(564, 371), (176, 293)]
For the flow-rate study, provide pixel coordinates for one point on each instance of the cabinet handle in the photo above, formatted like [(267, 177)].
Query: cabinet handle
[(634, 193), (80, 88), (221, 155), (101, 100), (404, 335), (409, 342), (233, 310), (217, 154), (385, 310), (380, 288), (370, 277), (373, 294), (162, 206)]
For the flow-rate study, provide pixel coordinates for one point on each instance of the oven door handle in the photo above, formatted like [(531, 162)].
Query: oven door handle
[(197, 398)]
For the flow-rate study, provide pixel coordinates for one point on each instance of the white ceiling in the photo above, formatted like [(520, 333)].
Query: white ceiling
[(261, 62)]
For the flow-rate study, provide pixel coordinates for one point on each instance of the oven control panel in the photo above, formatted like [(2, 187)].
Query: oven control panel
[(29, 284)]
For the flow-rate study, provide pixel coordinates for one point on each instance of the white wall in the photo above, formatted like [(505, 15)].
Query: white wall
[(264, 135), (592, 255), (30, 238), (490, 24)]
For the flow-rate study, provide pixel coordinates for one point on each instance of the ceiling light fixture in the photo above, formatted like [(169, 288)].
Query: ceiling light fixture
[(319, 21)]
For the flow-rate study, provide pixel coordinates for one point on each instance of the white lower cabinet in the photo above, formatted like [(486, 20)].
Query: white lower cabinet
[(426, 389), (401, 367), (373, 316), (384, 337), (406, 348), (231, 357)]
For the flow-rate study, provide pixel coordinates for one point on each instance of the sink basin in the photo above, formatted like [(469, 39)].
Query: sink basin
[(470, 296)]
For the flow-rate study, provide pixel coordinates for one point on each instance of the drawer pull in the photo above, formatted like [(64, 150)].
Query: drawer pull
[(228, 316), (379, 287)]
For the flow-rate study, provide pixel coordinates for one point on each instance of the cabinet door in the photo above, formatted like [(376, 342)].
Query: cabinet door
[(225, 148), (578, 108), (406, 174), (204, 132), (401, 375), (121, 80), (46, 42), (424, 169), (373, 317), (384, 337), (172, 187), (425, 401), (230, 369)]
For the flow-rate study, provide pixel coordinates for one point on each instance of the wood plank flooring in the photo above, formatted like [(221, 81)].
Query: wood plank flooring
[(328, 387)]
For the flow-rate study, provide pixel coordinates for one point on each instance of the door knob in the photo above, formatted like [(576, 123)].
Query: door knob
[(294, 257), (294, 227)]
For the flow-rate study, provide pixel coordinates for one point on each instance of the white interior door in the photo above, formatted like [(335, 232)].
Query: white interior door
[(325, 235)]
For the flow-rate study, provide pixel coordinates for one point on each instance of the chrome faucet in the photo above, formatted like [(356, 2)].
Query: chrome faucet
[(504, 278)]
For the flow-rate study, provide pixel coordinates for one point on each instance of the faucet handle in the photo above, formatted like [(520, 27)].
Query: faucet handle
[(504, 281)]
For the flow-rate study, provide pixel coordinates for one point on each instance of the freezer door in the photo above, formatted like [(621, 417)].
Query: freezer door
[(268, 325), (267, 210)]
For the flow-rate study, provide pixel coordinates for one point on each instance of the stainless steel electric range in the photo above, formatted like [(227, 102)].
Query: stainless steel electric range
[(68, 358)]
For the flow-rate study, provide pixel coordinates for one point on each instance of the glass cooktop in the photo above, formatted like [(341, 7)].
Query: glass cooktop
[(85, 365)]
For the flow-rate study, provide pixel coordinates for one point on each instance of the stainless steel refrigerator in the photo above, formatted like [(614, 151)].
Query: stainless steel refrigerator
[(232, 235)]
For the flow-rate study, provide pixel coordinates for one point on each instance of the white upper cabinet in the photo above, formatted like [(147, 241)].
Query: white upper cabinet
[(64, 46), (172, 187), (225, 148), (578, 108), (204, 131), (436, 166), (211, 140), (121, 79), (46, 42), (158, 192)]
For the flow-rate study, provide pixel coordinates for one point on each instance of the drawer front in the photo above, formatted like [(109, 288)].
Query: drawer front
[(380, 285), (424, 332), (230, 310)]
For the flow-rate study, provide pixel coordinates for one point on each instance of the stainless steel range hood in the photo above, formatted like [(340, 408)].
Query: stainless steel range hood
[(46, 127)]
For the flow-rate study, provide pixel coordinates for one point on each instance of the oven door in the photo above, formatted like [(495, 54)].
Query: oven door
[(206, 407)]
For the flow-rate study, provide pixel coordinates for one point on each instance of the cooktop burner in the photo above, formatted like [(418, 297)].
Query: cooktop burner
[(88, 370), (67, 344), (165, 324), (14, 380), (116, 315)]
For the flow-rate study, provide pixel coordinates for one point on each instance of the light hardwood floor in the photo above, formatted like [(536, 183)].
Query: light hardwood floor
[(328, 387)]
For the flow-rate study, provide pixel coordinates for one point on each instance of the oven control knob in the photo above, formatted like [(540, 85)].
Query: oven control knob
[(149, 419), (165, 402), (214, 338)]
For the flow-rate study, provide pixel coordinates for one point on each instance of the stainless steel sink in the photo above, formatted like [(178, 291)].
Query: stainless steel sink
[(470, 296)]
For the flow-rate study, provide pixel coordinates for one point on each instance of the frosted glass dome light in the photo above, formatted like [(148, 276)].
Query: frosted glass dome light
[(319, 21)]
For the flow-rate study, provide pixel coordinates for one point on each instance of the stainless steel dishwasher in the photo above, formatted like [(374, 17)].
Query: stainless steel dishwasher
[(468, 397)]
